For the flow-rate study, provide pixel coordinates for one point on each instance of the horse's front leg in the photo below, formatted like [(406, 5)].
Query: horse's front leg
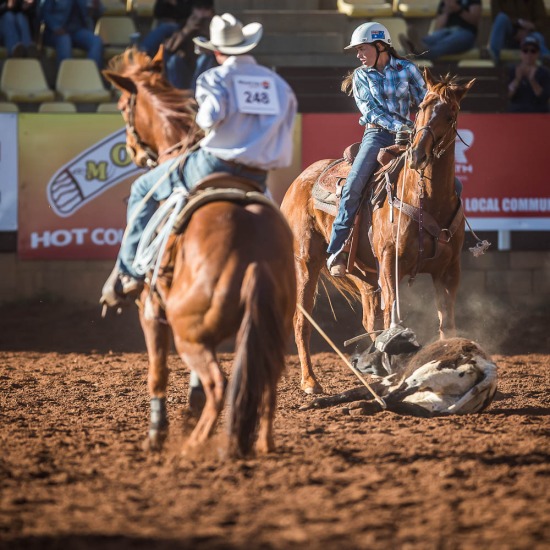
[(157, 338), (446, 288), (370, 302), (388, 280)]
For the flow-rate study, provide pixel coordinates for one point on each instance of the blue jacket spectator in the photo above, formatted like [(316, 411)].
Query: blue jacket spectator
[(68, 26)]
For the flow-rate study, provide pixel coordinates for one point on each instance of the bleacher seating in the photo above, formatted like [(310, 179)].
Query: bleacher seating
[(302, 40), (365, 8), (8, 107), (57, 107), (114, 7), (24, 81), (115, 32), (79, 80), (108, 108)]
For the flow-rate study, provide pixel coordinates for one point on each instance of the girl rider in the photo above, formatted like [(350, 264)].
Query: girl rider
[(385, 88)]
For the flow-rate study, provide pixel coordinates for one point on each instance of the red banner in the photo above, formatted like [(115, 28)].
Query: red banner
[(502, 163)]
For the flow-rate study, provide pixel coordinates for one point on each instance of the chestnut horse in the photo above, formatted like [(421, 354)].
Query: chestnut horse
[(233, 275), (426, 189)]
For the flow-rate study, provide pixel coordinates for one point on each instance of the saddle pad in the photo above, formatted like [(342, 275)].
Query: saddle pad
[(212, 194), (324, 190)]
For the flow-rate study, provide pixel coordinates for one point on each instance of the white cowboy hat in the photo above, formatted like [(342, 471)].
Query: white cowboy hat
[(228, 36)]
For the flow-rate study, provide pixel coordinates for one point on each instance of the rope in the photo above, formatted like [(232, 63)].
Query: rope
[(380, 401), (155, 236), (481, 245)]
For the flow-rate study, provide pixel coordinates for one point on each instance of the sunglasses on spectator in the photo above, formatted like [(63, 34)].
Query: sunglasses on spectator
[(529, 50)]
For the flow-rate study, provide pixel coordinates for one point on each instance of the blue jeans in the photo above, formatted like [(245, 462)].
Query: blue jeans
[(363, 167), (15, 28), (448, 41), (152, 41), (178, 72), (83, 38), (502, 36), (198, 165)]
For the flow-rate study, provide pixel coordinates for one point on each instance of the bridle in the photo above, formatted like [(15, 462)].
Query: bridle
[(152, 157), (438, 147)]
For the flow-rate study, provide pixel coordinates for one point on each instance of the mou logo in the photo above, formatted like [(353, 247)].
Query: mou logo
[(462, 165), (90, 174)]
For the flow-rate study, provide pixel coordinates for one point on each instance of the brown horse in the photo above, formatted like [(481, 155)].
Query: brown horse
[(426, 234), (233, 274)]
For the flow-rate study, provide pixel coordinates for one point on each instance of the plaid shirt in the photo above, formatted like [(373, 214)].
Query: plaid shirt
[(385, 98)]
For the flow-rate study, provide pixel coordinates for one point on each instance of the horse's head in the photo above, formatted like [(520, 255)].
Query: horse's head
[(160, 119), (435, 127)]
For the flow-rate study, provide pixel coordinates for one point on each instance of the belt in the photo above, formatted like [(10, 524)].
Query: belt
[(250, 169), (377, 126)]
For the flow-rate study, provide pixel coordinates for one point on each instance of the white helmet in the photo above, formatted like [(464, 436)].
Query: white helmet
[(367, 33)]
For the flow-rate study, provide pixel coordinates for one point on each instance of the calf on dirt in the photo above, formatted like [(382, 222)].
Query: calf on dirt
[(451, 376)]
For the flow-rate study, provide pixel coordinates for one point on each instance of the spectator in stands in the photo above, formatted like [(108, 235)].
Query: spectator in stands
[(386, 88), (16, 24), (513, 20), (529, 83), (243, 139), (170, 15), (67, 25), (183, 60), (455, 30)]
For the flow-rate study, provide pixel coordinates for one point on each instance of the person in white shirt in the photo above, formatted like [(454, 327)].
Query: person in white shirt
[(248, 113)]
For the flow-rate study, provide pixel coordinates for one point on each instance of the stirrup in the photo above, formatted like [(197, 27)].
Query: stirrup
[(112, 293), (337, 264)]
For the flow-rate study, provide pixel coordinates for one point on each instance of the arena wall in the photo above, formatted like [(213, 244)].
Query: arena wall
[(515, 278)]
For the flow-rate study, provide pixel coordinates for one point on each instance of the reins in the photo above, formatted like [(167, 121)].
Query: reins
[(152, 156)]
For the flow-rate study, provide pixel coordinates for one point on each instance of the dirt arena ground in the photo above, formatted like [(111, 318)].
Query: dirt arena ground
[(73, 475)]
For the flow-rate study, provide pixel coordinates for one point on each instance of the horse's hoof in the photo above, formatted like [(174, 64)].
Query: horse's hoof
[(155, 440), (314, 389)]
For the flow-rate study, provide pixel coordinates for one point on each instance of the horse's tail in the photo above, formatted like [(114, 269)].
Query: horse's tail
[(259, 357)]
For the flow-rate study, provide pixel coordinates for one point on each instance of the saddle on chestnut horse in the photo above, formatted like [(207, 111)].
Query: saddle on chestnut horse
[(328, 187), (328, 190)]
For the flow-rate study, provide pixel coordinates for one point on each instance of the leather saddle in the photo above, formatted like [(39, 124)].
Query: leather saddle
[(221, 186), (328, 187)]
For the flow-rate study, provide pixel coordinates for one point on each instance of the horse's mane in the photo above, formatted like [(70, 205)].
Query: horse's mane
[(445, 87), (177, 107)]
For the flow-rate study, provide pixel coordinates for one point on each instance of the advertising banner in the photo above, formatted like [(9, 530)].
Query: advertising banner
[(75, 176), (501, 162), (8, 171)]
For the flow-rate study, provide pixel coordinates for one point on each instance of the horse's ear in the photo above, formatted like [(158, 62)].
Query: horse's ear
[(463, 90), (158, 60), (121, 82), (428, 77)]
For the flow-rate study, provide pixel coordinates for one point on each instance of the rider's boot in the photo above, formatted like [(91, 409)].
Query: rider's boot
[(120, 289)]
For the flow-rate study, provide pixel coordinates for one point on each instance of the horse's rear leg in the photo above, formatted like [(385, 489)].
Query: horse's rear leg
[(307, 278), (266, 443), (203, 362), (157, 338)]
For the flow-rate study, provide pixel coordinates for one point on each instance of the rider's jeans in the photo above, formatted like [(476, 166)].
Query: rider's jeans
[(363, 167), (198, 165)]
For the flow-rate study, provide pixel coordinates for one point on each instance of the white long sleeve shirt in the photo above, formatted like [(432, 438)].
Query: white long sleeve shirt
[(225, 94)]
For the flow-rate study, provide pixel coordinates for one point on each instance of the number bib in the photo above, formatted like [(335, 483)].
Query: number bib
[(256, 95)]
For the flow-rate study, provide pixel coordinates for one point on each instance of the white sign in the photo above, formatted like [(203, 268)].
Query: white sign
[(90, 174), (8, 171), (256, 95)]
